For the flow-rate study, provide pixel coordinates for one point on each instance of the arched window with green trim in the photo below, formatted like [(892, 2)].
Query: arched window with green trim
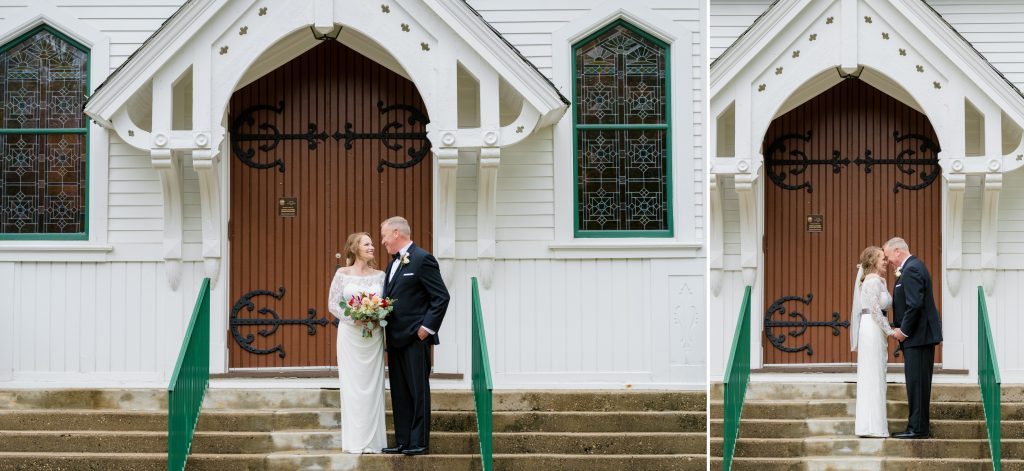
[(44, 79), (622, 134)]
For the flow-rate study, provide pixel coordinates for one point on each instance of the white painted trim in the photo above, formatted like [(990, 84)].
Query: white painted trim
[(196, 15), (517, 72), (684, 199), (21, 22)]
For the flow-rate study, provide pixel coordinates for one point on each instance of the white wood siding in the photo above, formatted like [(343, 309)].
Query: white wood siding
[(93, 323), (547, 325), (528, 25), (578, 322)]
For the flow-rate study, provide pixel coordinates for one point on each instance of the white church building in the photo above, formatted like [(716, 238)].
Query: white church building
[(839, 124), (553, 150)]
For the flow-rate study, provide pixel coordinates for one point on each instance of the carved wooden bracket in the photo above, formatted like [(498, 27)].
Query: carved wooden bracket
[(956, 182), (748, 226), (205, 163), (447, 165), (990, 230), (717, 245), (487, 184), (165, 162)]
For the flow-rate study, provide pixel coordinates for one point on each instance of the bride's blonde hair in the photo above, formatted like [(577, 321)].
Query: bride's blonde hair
[(869, 259), (352, 249)]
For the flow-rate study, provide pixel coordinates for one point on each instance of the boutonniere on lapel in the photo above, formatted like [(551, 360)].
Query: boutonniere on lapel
[(405, 259), (899, 273)]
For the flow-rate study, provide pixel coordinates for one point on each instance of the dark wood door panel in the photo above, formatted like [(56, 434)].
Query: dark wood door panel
[(843, 156), (312, 135)]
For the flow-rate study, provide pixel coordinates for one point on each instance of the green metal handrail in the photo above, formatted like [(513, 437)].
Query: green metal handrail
[(483, 387), (737, 374), (188, 383), (988, 378)]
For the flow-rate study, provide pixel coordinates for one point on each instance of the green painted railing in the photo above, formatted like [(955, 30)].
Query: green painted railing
[(737, 374), (483, 387), (988, 378), (188, 383)]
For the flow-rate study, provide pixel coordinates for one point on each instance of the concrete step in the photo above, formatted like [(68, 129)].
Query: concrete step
[(327, 459), (867, 447), (270, 442), (264, 420), (895, 392), (864, 464), (125, 462), (824, 408), (281, 399), (949, 429), (314, 459)]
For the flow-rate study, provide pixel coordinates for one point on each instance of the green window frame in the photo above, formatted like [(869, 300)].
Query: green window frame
[(58, 155), (621, 197)]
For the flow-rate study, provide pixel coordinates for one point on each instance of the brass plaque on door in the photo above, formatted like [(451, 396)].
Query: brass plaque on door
[(288, 207), (815, 223)]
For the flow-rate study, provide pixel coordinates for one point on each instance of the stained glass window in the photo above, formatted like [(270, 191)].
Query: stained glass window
[(622, 134), (43, 137)]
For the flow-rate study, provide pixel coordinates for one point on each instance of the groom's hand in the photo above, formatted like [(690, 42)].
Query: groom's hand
[(899, 335), (423, 333)]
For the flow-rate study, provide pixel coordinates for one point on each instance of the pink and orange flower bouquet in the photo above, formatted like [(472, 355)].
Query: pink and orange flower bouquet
[(369, 308)]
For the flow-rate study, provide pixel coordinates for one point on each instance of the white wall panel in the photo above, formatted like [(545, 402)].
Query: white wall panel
[(95, 323)]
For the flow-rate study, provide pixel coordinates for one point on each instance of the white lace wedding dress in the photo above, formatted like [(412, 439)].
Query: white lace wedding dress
[(871, 342), (360, 368)]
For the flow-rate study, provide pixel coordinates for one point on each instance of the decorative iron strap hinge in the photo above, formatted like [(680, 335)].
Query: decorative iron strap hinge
[(390, 135), (780, 164), (799, 325), (245, 302)]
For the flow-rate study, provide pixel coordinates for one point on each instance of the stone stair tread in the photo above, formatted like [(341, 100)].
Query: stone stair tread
[(332, 453), (84, 454)]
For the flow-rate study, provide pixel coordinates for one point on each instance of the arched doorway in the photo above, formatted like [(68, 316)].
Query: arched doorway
[(850, 168), (328, 144)]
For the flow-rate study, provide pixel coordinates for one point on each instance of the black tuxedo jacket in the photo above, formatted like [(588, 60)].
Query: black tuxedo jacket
[(913, 305), (420, 298)]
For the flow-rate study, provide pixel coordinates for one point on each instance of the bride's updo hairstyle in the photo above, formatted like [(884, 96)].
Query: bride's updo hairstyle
[(869, 259), (352, 249)]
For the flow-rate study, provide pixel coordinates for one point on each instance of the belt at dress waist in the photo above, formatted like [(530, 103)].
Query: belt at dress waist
[(868, 311)]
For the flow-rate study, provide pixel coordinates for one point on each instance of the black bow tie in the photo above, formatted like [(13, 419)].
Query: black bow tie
[(395, 256)]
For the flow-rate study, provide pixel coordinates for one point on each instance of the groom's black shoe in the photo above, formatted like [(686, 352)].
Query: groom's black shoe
[(910, 435), (420, 450), (394, 451)]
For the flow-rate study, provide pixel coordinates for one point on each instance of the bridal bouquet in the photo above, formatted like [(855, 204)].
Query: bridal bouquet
[(370, 308)]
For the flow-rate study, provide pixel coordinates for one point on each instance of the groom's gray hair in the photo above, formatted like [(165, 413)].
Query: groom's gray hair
[(898, 243), (400, 223)]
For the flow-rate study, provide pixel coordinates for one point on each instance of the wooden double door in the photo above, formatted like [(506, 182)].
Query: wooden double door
[(850, 168), (329, 144)]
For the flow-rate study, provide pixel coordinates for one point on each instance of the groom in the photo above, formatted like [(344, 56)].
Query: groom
[(413, 280), (919, 331)]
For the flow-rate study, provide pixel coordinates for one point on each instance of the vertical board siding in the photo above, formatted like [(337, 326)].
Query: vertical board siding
[(70, 320)]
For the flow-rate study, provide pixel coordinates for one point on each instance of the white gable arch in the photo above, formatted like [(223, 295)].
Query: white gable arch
[(902, 47), (224, 44)]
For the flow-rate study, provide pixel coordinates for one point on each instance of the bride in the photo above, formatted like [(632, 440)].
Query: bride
[(868, 335), (360, 360)]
